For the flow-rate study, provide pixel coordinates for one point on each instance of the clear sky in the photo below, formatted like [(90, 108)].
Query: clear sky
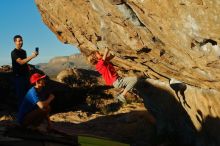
[(22, 17)]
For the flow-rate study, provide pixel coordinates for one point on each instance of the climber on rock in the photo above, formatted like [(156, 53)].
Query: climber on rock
[(108, 72)]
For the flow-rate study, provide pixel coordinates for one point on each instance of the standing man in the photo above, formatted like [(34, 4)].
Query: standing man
[(20, 68)]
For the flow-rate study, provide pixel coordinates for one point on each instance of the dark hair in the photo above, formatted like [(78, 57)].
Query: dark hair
[(17, 36), (92, 58)]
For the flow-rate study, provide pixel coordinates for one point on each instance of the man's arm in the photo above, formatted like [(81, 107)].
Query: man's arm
[(26, 60), (105, 54), (44, 104), (110, 57)]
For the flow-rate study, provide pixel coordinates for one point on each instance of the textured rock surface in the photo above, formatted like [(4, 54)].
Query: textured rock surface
[(175, 43)]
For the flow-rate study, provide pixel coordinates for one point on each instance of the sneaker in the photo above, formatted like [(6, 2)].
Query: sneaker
[(121, 99)]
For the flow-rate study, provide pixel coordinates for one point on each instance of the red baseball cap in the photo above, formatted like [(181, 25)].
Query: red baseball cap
[(35, 77)]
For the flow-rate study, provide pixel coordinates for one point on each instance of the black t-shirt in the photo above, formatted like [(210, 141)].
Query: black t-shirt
[(18, 69)]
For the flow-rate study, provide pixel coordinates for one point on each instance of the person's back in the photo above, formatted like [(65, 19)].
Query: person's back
[(107, 71), (28, 104)]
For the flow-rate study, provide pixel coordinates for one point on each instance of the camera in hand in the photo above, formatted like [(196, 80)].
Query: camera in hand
[(37, 49)]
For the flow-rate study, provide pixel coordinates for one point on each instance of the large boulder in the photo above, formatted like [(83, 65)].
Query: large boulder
[(174, 43), (75, 77)]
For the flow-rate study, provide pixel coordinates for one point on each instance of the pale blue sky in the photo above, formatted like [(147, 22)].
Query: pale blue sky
[(22, 17)]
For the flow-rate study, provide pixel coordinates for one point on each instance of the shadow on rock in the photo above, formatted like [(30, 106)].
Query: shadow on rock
[(180, 88), (133, 128), (209, 134), (172, 121), (89, 99)]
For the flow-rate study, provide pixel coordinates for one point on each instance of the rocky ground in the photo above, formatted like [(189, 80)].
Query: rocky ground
[(98, 116), (130, 124)]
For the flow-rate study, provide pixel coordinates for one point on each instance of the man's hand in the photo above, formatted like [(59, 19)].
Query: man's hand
[(45, 104), (34, 54), (51, 97)]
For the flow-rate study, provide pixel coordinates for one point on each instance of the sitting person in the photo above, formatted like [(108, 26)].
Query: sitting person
[(108, 72), (35, 107)]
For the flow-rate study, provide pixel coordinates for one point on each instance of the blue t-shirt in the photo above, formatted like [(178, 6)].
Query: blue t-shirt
[(29, 104)]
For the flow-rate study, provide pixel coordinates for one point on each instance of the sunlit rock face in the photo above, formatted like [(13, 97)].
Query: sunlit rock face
[(174, 43)]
